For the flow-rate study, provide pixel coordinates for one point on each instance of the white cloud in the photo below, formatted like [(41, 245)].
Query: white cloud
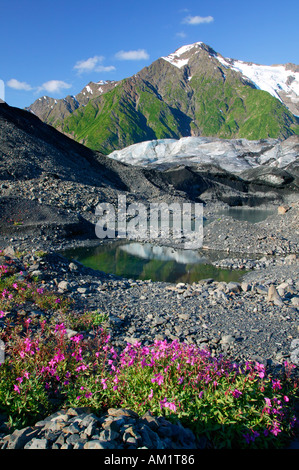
[(198, 19), (17, 85), (93, 64), (54, 86), (105, 68), (88, 65), (140, 54), (181, 35)]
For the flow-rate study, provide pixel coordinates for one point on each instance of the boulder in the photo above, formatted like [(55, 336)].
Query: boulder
[(283, 209), (273, 296)]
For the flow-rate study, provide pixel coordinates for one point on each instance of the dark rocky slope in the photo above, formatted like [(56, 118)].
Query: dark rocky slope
[(48, 181)]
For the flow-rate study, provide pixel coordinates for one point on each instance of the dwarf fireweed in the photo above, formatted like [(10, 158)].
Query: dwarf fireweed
[(233, 405)]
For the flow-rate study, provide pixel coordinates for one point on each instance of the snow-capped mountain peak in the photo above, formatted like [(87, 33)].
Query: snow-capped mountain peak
[(180, 57), (281, 81)]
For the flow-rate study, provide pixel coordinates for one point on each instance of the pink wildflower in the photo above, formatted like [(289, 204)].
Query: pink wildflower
[(81, 367), (103, 382), (276, 385), (60, 328), (158, 378), (261, 370), (268, 402), (59, 357), (275, 430), (77, 338), (236, 393), (170, 405)]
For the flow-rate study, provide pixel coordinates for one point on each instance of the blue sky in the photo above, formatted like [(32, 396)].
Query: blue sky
[(55, 47)]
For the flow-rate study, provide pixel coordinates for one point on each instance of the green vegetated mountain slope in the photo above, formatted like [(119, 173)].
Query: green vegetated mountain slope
[(165, 101)]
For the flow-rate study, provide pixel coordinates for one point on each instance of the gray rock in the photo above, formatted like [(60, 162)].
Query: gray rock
[(261, 289), (245, 286), (227, 339), (70, 333), (73, 428), (37, 444), (91, 428), (273, 296), (74, 439), (97, 444), (108, 435), (63, 286), (73, 267), (82, 290), (19, 438), (234, 287), (294, 356)]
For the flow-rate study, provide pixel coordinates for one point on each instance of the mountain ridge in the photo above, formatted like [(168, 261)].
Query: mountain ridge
[(193, 91)]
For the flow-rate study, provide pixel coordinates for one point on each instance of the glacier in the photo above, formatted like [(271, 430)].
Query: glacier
[(270, 78), (233, 155)]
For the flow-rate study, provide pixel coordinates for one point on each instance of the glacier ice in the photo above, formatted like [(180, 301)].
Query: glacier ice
[(233, 155)]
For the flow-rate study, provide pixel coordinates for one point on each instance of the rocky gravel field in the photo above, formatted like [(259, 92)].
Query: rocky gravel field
[(253, 319), (257, 317)]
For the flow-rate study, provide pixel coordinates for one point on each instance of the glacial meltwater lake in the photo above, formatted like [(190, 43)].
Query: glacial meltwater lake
[(144, 261), (251, 215), (135, 260)]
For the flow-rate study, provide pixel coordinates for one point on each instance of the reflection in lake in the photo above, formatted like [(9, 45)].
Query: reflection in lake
[(147, 261)]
